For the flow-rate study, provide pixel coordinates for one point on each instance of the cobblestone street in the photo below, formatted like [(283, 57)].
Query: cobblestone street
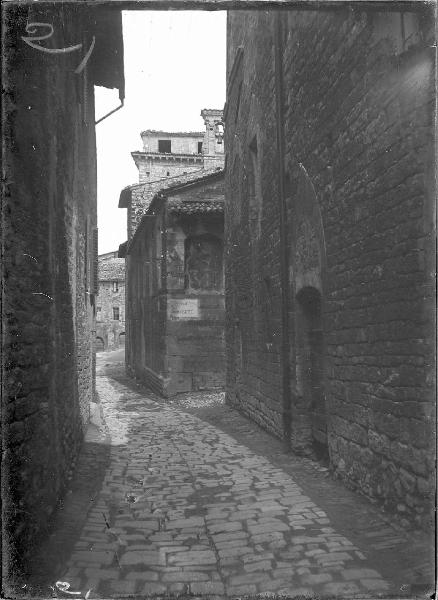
[(166, 500)]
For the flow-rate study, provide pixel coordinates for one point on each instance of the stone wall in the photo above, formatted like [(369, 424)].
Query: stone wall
[(110, 332), (359, 188), (150, 170), (146, 306), (175, 308), (180, 143), (49, 219)]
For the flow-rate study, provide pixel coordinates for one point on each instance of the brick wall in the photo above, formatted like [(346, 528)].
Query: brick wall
[(358, 132), (49, 214)]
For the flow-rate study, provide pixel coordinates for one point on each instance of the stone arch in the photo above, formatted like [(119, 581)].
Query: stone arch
[(307, 265), (100, 344), (308, 254)]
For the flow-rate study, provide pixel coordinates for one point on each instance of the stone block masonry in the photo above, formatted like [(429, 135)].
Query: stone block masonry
[(357, 125), (48, 228), (110, 309), (175, 303)]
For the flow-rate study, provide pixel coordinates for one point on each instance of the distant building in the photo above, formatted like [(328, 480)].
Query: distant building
[(175, 288), (174, 271), (330, 257), (110, 307), (173, 156)]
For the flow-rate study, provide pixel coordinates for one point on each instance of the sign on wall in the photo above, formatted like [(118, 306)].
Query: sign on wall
[(183, 308)]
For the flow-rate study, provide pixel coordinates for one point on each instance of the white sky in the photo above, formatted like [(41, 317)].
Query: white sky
[(174, 67)]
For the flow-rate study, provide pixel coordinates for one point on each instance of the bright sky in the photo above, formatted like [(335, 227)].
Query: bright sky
[(174, 67)]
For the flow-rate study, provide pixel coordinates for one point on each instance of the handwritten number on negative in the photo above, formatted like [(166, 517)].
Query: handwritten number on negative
[(32, 28)]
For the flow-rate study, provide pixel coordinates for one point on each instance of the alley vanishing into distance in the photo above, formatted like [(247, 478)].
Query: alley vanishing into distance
[(166, 500)]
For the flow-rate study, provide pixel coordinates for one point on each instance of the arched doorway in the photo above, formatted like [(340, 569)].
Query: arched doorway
[(122, 339), (100, 344), (311, 357)]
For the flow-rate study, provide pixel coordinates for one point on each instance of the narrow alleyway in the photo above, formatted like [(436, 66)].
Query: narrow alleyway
[(166, 499)]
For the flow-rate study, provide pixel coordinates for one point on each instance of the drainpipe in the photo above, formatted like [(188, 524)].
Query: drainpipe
[(284, 256)]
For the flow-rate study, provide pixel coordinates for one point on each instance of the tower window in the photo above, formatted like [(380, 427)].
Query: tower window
[(115, 286), (168, 173), (165, 146), (116, 313), (199, 147)]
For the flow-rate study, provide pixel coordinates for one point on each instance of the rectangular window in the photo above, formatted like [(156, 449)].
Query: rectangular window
[(99, 313), (115, 286), (165, 146), (116, 313), (199, 147)]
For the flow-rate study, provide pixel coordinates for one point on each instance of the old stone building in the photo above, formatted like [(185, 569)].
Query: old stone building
[(329, 238), (174, 156), (175, 297), (49, 255), (110, 308), (166, 314)]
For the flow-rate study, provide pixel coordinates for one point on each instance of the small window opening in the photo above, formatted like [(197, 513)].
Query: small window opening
[(115, 286), (165, 146), (199, 147), (168, 173), (116, 313)]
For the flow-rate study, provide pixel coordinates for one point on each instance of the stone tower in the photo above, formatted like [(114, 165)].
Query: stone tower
[(213, 145), (170, 154)]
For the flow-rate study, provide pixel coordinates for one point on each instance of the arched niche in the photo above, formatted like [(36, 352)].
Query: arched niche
[(308, 255), (203, 263), (307, 263)]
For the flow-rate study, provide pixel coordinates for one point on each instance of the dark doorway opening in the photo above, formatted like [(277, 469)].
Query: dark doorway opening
[(100, 344), (309, 300)]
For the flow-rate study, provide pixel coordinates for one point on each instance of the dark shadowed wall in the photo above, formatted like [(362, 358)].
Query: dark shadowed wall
[(49, 247), (339, 126)]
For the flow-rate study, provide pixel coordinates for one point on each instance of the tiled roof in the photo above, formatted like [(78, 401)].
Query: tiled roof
[(192, 207), (112, 269), (143, 190)]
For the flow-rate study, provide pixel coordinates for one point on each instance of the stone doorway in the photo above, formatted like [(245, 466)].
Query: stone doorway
[(312, 357)]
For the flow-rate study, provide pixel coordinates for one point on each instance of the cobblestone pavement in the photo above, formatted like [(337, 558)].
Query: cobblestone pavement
[(178, 505)]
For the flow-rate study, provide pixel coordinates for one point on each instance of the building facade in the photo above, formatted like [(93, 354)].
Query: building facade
[(329, 241), (175, 289), (49, 259), (110, 307), (174, 157)]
